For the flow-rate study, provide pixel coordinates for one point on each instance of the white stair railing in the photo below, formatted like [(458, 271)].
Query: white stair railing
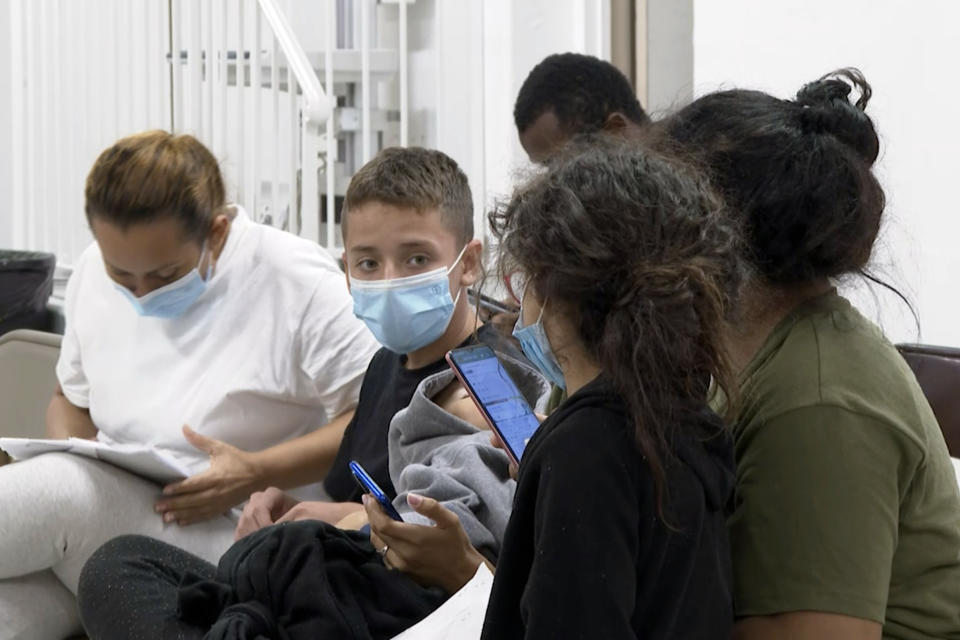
[(291, 95), (241, 67), (316, 106), (244, 85)]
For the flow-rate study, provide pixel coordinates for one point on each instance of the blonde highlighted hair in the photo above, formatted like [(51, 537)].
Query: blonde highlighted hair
[(152, 175)]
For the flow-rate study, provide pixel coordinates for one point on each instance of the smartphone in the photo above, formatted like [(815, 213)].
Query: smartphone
[(496, 395), (369, 486), (491, 306)]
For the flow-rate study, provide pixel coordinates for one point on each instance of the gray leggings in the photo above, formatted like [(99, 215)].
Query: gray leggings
[(55, 511)]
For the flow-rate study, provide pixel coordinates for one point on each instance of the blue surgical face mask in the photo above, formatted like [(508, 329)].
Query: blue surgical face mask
[(172, 300), (535, 345), (406, 314)]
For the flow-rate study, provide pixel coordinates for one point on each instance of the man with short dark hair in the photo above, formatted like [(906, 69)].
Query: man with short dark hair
[(569, 94)]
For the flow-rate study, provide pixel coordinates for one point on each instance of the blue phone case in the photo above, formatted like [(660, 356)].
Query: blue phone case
[(369, 486)]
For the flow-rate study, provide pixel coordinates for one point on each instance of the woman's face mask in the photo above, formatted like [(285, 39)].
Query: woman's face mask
[(536, 347), (406, 314), (172, 300)]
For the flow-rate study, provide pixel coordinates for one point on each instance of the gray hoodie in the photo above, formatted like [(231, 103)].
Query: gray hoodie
[(437, 455)]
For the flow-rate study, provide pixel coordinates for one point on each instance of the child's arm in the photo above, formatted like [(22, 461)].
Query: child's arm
[(355, 521)]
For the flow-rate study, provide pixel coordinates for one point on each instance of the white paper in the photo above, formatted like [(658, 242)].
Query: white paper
[(141, 460), (460, 617)]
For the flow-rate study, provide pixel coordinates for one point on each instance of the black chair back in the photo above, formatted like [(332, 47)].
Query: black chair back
[(938, 372)]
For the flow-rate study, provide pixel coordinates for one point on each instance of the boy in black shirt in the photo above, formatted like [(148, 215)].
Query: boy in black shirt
[(409, 257)]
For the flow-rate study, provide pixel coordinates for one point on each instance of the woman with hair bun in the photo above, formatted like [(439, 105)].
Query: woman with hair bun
[(846, 520)]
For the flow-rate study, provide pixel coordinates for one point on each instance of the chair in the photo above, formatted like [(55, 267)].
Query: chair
[(938, 371), (27, 379)]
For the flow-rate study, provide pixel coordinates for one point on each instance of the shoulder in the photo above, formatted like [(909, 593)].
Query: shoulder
[(88, 265), (298, 275), (835, 364), (591, 435), (88, 281), (810, 439), (383, 364), (289, 255), (597, 424)]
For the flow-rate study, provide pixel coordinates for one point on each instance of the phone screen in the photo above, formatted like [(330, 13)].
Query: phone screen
[(498, 396)]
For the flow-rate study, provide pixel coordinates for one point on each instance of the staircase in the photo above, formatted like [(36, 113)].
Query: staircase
[(309, 119), (291, 95)]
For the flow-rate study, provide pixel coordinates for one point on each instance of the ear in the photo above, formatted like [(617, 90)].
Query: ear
[(616, 122), (472, 263), (219, 229)]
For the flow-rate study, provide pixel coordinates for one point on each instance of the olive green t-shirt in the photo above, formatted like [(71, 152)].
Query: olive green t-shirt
[(846, 498)]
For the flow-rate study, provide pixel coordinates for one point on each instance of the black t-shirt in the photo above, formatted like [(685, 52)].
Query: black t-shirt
[(585, 555), (387, 388)]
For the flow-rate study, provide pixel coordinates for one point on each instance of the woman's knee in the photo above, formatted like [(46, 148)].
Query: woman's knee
[(54, 482)]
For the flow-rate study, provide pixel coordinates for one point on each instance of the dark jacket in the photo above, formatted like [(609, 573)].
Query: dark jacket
[(585, 554), (301, 581)]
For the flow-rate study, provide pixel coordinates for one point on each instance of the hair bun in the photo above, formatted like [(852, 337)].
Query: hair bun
[(827, 109)]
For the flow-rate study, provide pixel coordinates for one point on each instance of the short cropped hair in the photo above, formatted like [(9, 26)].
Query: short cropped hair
[(155, 174), (582, 90), (416, 178)]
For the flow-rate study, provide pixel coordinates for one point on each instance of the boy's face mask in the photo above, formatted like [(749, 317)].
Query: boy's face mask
[(172, 300), (406, 314)]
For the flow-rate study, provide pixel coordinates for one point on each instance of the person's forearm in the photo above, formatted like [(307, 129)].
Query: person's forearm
[(303, 460), (807, 625), (460, 575), (65, 420)]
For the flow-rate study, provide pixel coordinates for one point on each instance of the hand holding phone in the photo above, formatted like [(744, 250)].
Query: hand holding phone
[(369, 486)]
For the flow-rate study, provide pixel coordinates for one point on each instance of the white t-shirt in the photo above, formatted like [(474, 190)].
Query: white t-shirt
[(269, 352)]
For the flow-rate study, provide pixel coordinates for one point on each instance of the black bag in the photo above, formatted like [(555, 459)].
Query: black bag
[(304, 580), (26, 282)]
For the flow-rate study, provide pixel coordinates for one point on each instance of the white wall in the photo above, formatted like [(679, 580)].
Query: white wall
[(666, 51), (83, 74), (483, 51), (6, 124), (909, 52)]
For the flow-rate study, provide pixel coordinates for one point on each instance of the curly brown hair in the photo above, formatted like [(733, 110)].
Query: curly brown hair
[(635, 247)]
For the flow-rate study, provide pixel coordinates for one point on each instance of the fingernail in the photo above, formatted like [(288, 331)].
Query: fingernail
[(414, 500), (363, 499), (168, 518)]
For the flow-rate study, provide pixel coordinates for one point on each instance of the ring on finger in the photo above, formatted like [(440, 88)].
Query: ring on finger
[(383, 556)]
